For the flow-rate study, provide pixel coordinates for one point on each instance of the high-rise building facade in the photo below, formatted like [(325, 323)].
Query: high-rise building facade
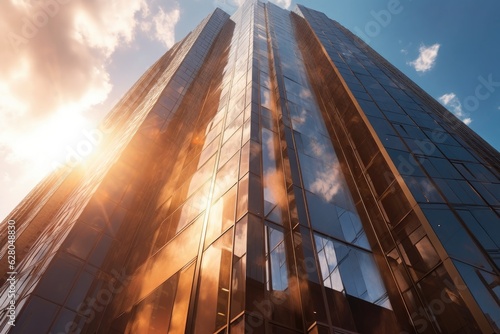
[(271, 173)]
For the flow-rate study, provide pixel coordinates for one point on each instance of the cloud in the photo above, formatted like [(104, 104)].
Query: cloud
[(164, 23), (426, 58), (327, 182), (283, 3), (447, 98), (405, 49), (54, 69), (452, 102), (105, 25), (53, 65)]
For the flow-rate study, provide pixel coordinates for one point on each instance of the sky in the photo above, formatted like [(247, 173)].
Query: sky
[(65, 63)]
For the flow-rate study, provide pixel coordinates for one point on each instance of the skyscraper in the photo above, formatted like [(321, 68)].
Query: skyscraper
[(271, 173)]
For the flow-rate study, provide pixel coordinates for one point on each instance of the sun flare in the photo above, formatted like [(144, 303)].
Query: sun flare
[(49, 144)]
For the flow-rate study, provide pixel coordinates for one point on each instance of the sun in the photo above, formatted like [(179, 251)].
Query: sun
[(49, 144)]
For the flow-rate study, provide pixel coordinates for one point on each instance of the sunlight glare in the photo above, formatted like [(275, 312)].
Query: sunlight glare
[(50, 143)]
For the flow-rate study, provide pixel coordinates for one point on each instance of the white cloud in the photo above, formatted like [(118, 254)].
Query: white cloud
[(452, 102), (426, 58), (447, 98), (53, 71), (107, 24), (55, 66), (327, 183), (164, 23), (283, 3)]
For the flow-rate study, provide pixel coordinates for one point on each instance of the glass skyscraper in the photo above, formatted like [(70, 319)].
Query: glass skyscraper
[(271, 173)]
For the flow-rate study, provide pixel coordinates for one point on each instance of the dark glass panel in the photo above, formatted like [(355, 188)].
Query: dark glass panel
[(58, 278), (323, 215), (100, 252), (238, 326), (380, 175), (67, 322), (454, 238), (477, 229), (98, 212), (423, 190), (80, 290), (485, 289), (255, 204), (36, 317), (81, 240), (443, 299), (395, 208)]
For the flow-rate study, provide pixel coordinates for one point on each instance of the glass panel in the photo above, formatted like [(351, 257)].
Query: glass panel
[(36, 316), (153, 314), (176, 254), (101, 251), (58, 278), (221, 216), (98, 212), (239, 268), (213, 294), (242, 206), (181, 302), (67, 322), (395, 209), (277, 273), (346, 268), (418, 252), (81, 240), (454, 238), (226, 176), (486, 290), (265, 97), (80, 290), (328, 263), (274, 188), (442, 298)]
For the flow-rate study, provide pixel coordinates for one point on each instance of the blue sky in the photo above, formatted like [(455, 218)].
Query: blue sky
[(61, 74)]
